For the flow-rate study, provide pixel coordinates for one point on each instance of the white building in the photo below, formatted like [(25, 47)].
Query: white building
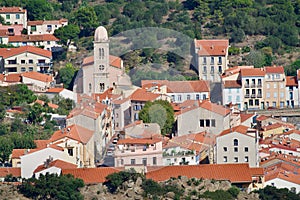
[(45, 26), (232, 93), (237, 145), (292, 92), (37, 81), (14, 15)]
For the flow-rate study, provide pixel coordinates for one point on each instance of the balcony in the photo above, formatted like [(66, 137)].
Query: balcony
[(44, 64), (247, 85), (49, 30), (212, 72), (259, 95), (253, 85), (204, 72), (253, 95), (259, 85), (247, 95)]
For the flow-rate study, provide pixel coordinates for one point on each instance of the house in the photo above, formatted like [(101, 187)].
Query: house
[(292, 92), (138, 151), (13, 171), (10, 79), (46, 41), (62, 92), (275, 86), (232, 93), (237, 145), (139, 129), (121, 113), (189, 149), (14, 15), (211, 58), (52, 167), (179, 91), (24, 59), (37, 81), (9, 30), (240, 175), (41, 27), (199, 116)]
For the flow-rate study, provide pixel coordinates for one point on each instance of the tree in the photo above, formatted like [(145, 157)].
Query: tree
[(270, 193), (256, 58), (35, 112), (66, 75), (160, 112), (67, 34), (39, 10), (52, 186), (86, 19)]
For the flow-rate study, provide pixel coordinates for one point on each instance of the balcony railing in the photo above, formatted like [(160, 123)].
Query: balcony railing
[(44, 64), (253, 85), (212, 72), (253, 95), (259, 96), (259, 85), (247, 85), (247, 95), (204, 72)]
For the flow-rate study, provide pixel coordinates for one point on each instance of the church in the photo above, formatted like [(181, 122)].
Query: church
[(102, 70)]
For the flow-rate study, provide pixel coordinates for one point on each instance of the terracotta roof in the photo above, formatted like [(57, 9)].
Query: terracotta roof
[(298, 74), (143, 95), (11, 78), (113, 61), (14, 171), (74, 132), (55, 90), (32, 38), (253, 72), (257, 171), (239, 129), (38, 76), (232, 84), (245, 116), (291, 81), (272, 126), (9, 52), (92, 111), (56, 163), (91, 175), (138, 141), (262, 118), (17, 29), (41, 143), (284, 175), (41, 22), (178, 86), (17, 153), (109, 94), (12, 10), (235, 173), (212, 47), (274, 70), (221, 110)]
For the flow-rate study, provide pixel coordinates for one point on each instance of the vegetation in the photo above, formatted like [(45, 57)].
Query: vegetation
[(52, 186), (67, 74), (270, 193), (160, 112)]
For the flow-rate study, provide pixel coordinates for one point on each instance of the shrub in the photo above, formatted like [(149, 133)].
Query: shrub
[(151, 187), (234, 191)]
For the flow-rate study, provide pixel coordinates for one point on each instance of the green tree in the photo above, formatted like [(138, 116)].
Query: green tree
[(66, 75), (270, 193), (160, 112), (255, 58), (6, 147), (67, 34), (34, 115), (52, 186), (39, 10), (86, 19)]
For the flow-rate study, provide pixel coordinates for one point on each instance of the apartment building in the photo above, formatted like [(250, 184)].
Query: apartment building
[(211, 58), (14, 15), (41, 27), (26, 58), (253, 88), (232, 93), (291, 92), (138, 151), (274, 87)]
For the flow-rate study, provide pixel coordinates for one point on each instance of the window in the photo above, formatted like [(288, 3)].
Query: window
[(204, 96), (225, 149), (281, 85), (246, 149), (101, 67), (237, 90), (220, 69), (136, 116), (236, 159), (257, 102), (101, 53), (250, 102), (179, 97), (197, 96), (229, 99), (235, 142), (212, 69), (30, 69), (237, 98), (268, 95), (220, 60), (275, 85), (33, 28), (102, 87), (236, 149), (145, 161), (23, 69), (212, 60), (90, 87), (188, 97), (132, 161), (201, 122), (225, 159), (8, 16), (30, 61), (246, 159), (22, 61), (213, 123), (275, 94), (281, 94), (173, 97), (268, 85), (70, 152), (154, 161), (229, 91), (17, 16), (204, 69), (207, 123), (204, 60), (274, 104)]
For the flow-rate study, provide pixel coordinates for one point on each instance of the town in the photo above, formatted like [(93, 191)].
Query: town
[(238, 124)]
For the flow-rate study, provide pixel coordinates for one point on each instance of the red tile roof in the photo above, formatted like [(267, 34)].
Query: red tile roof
[(232, 84), (14, 171), (74, 132), (212, 47), (245, 116), (41, 22), (38, 76), (291, 81), (143, 95), (253, 72), (138, 141), (221, 110), (92, 111), (11, 78), (235, 173), (32, 38), (9, 52), (262, 118), (284, 175), (113, 61), (239, 129), (55, 90), (56, 163), (12, 10), (178, 86), (274, 70), (91, 175), (42, 103), (272, 126), (41, 143)]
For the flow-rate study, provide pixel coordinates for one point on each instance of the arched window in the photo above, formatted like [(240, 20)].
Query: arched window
[(235, 142), (101, 67), (102, 87), (101, 53)]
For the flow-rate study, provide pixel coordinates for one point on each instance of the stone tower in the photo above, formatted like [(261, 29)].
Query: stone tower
[(101, 61)]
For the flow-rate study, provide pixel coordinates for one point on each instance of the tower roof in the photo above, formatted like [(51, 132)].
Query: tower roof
[(100, 34)]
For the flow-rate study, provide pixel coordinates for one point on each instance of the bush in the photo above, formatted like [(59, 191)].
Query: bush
[(151, 187), (234, 191)]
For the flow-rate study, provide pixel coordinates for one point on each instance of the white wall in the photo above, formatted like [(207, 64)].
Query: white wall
[(233, 95), (280, 183), (50, 170)]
